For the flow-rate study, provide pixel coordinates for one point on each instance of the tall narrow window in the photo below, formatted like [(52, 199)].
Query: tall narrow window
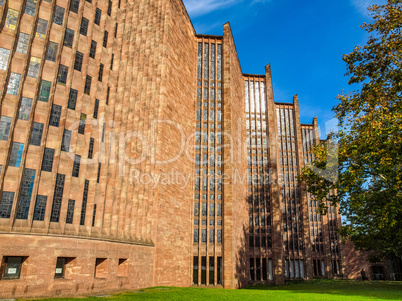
[(96, 108), (100, 74), (47, 162), (65, 144), (23, 41), (68, 38), (92, 50), (76, 166), (88, 81), (84, 26), (11, 19), (62, 74), (44, 91), (41, 28), (70, 211), (58, 15), (26, 194), (109, 8), (98, 14), (36, 136), (25, 108), (115, 29), (40, 208), (30, 7), (94, 216), (91, 147), (195, 270), (52, 51), (79, 56), (99, 172), (203, 270), (4, 55), (111, 62), (107, 95), (16, 154), (103, 132), (57, 198), (34, 65), (74, 5), (6, 204), (5, 124), (81, 127), (72, 99), (55, 116), (211, 270), (84, 203), (14, 83), (105, 35)]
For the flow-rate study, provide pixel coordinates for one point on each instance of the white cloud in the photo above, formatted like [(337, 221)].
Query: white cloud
[(362, 5), (201, 7)]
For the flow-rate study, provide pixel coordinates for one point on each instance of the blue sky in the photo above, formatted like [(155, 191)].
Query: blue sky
[(302, 40)]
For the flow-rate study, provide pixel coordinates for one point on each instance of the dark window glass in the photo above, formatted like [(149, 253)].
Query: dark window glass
[(219, 236), (91, 147), (48, 157), (37, 131), (62, 75), (115, 29), (25, 194), (89, 1), (68, 38), (14, 83), (100, 75), (41, 28), (204, 235), (195, 270), (81, 127), (78, 61), (107, 95), (105, 38), (70, 211), (65, 144), (12, 267), (211, 270), (16, 154), (111, 62), (72, 99), (40, 208), (203, 270), (96, 108), (98, 15), (88, 81), (103, 132), (219, 271), (76, 166), (30, 7), (52, 51), (84, 26), (94, 216), (58, 15), (57, 198), (74, 4), (109, 8), (84, 203), (44, 91), (55, 115), (99, 172), (6, 204), (119, 3), (196, 235), (5, 124), (92, 50), (60, 266)]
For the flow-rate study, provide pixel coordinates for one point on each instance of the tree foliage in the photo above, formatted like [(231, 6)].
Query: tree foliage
[(369, 183)]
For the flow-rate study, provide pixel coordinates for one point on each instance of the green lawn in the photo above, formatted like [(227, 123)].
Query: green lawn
[(314, 290)]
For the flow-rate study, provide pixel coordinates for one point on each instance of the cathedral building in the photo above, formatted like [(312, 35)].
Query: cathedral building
[(134, 152)]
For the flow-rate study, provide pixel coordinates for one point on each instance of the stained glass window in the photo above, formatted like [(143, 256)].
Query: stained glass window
[(14, 83), (40, 208), (25, 109), (23, 42), (11, 19), (6, 204), (41, 28), (25, 194), (34, 65), (16, 154), (4, 55)]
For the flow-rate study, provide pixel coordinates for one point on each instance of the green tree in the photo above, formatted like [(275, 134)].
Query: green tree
[(369, 182)]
